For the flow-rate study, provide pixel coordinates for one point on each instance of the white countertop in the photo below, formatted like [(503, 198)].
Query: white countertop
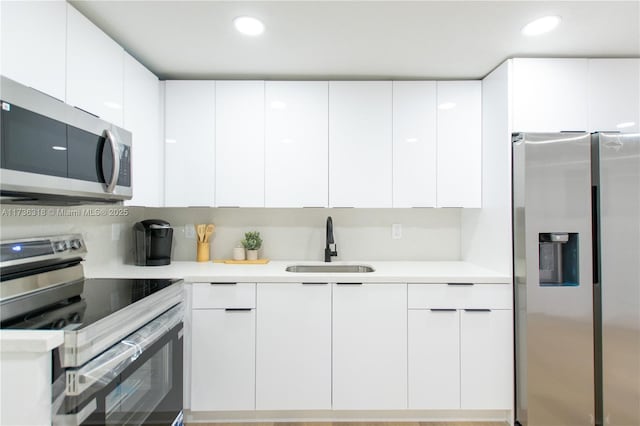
[(30, 340), (274, 271)]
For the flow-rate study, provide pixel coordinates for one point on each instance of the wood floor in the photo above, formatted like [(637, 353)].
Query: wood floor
[(356, 424)]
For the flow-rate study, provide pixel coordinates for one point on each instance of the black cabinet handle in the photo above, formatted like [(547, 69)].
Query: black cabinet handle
[(238, 309), (315, 283), (443, 310), (459, 283), (477, 310), (349, 283), (223, 283)]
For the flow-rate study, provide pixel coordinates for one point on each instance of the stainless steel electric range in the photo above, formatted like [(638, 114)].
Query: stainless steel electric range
[(121, 361)]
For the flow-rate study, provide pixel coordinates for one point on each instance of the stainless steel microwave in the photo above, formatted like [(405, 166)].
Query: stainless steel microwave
[(53, 153)]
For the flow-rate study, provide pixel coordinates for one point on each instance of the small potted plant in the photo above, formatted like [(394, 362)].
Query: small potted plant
[(252, 243)]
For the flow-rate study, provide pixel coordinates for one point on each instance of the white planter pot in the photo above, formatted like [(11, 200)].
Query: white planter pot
[(238, 253), (252, 254)]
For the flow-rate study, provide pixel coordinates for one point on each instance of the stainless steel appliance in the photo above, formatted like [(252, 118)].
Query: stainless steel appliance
[(57, 154), (576, 217), (153, 240), (121, 361)]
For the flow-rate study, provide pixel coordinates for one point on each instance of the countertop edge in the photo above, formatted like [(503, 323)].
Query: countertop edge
[(30, 341)]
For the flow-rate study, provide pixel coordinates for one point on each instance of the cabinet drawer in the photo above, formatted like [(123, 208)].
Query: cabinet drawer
[(224, 295), (460, 296)]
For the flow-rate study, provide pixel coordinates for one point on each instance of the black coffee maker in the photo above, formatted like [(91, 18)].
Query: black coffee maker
[(153, 239)]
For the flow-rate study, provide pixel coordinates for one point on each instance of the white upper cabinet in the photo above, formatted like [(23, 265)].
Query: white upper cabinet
[(240, 143), (296, 144), (614, 95), (360, 147), (189, 143), (95, 69), (142, 119), (414, 144), (459, 146), (549, 95), (33, 44)]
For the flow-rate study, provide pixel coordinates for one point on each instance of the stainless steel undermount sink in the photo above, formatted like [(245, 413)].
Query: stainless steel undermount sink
[(330, 268)]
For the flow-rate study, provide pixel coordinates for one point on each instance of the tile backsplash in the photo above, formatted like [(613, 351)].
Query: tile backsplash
[(299, 234), (288, 234)]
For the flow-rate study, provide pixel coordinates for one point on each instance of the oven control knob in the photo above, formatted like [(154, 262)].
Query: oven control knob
[(74, 318), (60, 246), (59, 324), (76, 244)]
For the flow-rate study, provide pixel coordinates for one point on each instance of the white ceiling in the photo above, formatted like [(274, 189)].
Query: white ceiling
[(358, 39)]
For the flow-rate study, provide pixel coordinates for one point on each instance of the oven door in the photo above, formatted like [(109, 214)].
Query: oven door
[(138, 381)]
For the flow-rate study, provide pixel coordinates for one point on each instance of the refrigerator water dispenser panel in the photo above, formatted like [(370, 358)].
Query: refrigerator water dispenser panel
[(558, 259)]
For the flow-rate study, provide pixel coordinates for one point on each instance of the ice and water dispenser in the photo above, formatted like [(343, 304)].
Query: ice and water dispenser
[(558, 259)]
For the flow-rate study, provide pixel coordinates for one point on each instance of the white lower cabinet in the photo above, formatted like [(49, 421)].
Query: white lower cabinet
[(486, 359), (293, 346), (351, 346), (460, 347), (223, 358), (369, 346), (434, 359)]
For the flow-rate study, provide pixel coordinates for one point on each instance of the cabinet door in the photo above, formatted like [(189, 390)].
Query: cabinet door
[(33, 44), (486, 359), (414, 144), (549, 95), (434, 359), (190, 143), (360, 148), (240, 143), (293, 349), (296, 144), (614, 95), (95, 69), (459, 144), (142, 119), (369, 346), (223, 360)]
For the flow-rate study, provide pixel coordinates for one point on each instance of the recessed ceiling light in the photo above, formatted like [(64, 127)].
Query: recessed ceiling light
[(59, 148), (625, 124), (447, 105), (248, 25), (541, 25)]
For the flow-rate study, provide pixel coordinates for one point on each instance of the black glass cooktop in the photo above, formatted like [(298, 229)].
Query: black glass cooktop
[(95, 299)]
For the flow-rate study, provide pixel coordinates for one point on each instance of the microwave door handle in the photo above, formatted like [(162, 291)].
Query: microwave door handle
[(115, 156)]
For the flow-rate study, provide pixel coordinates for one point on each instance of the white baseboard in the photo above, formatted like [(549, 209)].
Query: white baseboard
[(354, 416)]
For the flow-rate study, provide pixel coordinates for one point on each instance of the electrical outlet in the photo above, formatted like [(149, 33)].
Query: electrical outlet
[(115, 231), (396, 231), (190, 232)]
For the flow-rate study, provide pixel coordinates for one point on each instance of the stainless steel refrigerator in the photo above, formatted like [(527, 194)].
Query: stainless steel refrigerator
[(576, 225)]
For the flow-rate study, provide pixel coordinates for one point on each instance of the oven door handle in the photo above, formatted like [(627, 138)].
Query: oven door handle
[(104, 368)]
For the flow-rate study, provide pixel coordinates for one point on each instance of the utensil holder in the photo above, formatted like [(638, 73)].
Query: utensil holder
[(202, 252)]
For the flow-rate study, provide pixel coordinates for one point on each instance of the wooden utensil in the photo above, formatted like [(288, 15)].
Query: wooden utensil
[(200, 230), (208, 231)]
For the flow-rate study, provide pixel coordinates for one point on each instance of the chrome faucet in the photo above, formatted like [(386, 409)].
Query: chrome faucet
[(328, 251)]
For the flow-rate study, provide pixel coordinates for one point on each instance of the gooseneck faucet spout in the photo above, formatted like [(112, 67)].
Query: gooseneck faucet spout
[(328, 250)]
